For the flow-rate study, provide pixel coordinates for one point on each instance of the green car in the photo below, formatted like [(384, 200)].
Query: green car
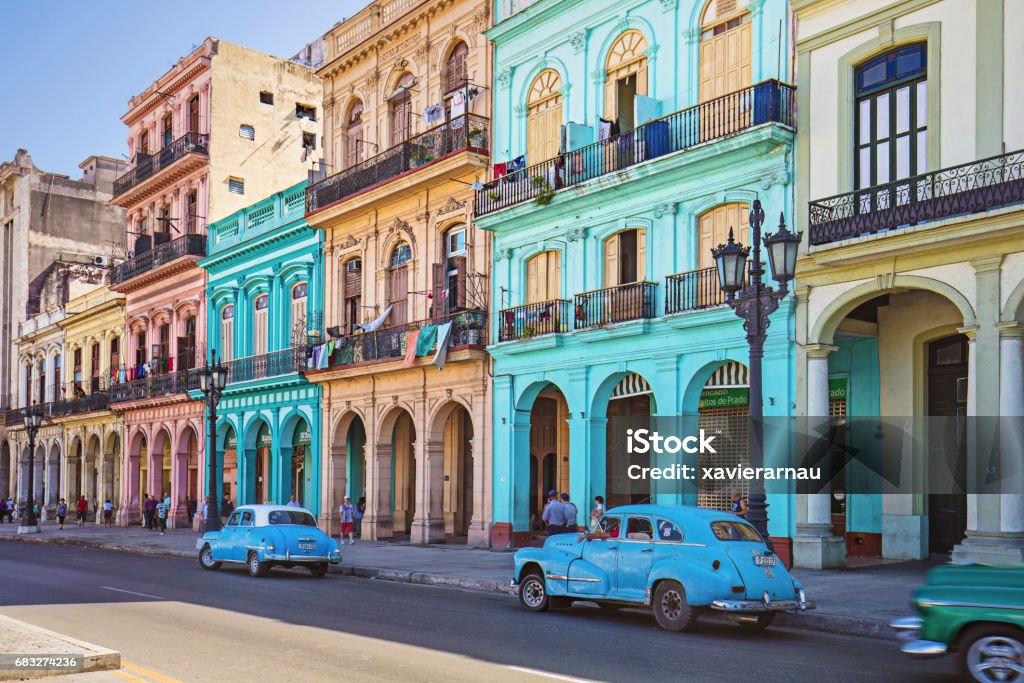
[(974, 611)]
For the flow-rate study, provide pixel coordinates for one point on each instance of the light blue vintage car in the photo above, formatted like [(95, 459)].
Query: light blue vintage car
[(262, 536), (681, 561)]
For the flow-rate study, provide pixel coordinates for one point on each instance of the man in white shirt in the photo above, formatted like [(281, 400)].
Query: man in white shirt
[(293, 503)]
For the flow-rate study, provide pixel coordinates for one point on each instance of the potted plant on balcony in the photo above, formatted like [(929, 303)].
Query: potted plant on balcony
[(478, 138), (545, 193)]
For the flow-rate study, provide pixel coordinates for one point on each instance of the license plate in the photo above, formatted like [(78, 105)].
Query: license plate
[(307, 546), (765, 560)]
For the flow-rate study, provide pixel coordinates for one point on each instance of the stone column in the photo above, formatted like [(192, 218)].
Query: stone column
[(178, 514), (814, 545), (1011, 428), (428, 517), (377, 522)]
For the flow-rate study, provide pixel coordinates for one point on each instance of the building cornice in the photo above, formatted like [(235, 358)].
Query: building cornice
[(854, 26)]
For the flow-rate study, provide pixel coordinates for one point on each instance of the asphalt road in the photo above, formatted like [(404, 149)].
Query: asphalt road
[(173, 621)]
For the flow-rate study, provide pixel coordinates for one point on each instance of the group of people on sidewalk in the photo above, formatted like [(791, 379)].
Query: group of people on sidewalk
[(155, 511), (7, 510), (560, 513), (351, 517)]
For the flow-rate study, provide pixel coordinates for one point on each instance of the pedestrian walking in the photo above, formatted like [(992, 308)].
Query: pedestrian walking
[(552, 514), (204, 514), (108, 513), (346, 512), (190, 509), (62, 513), (570, 512), (161, 516), (150, 511), (293, 503), (10, 510), (597, 512), (226, 508), (3, 510), (360, 511), (83, 509), (739, 504)]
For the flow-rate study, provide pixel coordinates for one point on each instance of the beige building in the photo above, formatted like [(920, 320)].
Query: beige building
[(911, 278), (406, 133)]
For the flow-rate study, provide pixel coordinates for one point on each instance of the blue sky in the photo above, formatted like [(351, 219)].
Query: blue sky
[(70, 67)]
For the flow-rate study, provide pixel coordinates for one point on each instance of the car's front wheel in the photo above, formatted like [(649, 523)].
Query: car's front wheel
[(319, 569), (206, 560), (758, 622), (992, 653), (671, 609), (533, 593), (256, 566)]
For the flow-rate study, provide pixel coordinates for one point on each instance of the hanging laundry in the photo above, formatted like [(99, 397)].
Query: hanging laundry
[(410, 348), (433, 115), (325, 358), (604, 129), (330, 348), (170, 365), (370, 327), (517, 164), (458, 103), (425, 342), (499, 170), (444, 333)]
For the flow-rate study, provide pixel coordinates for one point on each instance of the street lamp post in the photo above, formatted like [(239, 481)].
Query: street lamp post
[(754, 303), (33, 420), (212, 380)]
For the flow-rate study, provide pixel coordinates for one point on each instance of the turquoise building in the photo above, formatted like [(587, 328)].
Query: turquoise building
[(629, 138), (264, 303)]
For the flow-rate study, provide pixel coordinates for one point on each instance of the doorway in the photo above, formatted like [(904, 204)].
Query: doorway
[(947, 442)]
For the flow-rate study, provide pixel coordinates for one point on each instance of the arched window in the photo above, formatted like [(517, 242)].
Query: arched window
[(261, 332), (227, 332), (400, 107), (724, 49), (543, 277), (455, 73), (398, 284), (354, 134), (625, 257), (352, 286), (891, 128), (543, 126), (713, 229), (300, 300), (625, 78), (449, 291)]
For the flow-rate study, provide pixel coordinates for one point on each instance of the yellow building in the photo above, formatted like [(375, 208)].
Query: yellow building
[(406, 132), (93, 327)]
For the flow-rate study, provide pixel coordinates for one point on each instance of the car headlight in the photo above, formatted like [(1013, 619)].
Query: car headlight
[(271, 548)]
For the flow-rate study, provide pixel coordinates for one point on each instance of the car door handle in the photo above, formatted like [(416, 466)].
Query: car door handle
[(612, 547), (647, 550)]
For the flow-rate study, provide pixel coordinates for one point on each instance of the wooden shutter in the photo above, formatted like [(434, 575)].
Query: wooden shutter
[(611, 261), (708, 67), (641, 255), (554, 279), (260, 332), (438, 285), (398, 294), (533, 292), (460, 282), (713, 229), (227, 339), (298, 318)]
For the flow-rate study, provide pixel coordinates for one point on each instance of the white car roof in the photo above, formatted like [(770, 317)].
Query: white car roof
[(263, 510)]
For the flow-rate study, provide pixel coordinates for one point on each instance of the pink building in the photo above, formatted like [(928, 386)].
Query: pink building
[(224, 127)]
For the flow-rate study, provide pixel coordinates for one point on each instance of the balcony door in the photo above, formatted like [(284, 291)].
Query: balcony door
[(354, 134), (543, 277), (193, 114), (725, 67), (352, 285), (94, 367), (543, 125), (400, 107), (625, 258), (625, 78), (398, 284), (713, 229), (227, 332), (300, 314), (260, 328)]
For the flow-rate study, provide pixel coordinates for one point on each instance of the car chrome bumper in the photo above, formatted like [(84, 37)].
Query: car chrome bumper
[(740, 606), (908, 629), (300, 559)]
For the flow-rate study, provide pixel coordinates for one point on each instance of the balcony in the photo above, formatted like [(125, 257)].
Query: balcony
[(633, 301), (266, 365), (532, 320), (766, 102), (959, 190), (147, 166), (464, 133), (171, 383), (98, 400), (140, 264), (468, 329)]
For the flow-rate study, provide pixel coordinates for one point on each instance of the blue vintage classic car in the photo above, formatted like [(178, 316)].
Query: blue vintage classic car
[(681, 561), (262, 536)]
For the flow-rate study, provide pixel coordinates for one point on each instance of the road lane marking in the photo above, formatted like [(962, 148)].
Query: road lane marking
[(149, 673), (129, 677), (122, 590), (548, 674)]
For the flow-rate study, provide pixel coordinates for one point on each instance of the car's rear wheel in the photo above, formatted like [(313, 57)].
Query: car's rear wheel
[(671, 609), (256, 566), (533, 593), (319, 569), (992, 652), (206, 560), (757, 622)]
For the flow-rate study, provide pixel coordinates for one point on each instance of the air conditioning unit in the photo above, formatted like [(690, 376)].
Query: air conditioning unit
[(101, 261)]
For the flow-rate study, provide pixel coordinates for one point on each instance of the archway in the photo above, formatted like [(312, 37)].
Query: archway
[(5, 470), (160, 466), (255, 483), (75, 467), (346, 467), (229, 461), (402, 437), (131, 509), (449, 470), (724, 410), (547, 448), (53, 466), (111, 480), (630, 406), (91, 473), (296, 454)]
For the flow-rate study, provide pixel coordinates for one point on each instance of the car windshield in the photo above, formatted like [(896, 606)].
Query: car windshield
[(290, 517), (734, 531)]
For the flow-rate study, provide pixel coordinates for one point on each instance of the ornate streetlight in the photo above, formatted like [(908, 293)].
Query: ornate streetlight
[(33, 420), (754, 302), (212, 380)]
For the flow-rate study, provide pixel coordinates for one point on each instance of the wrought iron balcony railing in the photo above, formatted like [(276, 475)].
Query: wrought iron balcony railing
[(968, 188), (186, 245), (531, 320), (266, 365), (177, 382), (633, 301), (98, 400), (469, 328), (768, 101), (466, 132), (147, 165), (693, 290)]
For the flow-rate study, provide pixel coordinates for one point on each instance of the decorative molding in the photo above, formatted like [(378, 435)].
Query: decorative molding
[(401, 226), (82, 272), (623, 23), (692, 35), (667, 5), (503, 255), (754, 7), (670, 208), (772, 179), (349, 242), (504, 77), (451, 206), (597, 76), (576, 234), (578, 40)]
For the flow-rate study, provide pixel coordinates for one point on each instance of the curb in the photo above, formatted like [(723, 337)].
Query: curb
[(808, 621), (93, 657)]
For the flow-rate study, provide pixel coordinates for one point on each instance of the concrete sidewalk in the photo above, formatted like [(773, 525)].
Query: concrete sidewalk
[(855, 601), (64, 654)]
